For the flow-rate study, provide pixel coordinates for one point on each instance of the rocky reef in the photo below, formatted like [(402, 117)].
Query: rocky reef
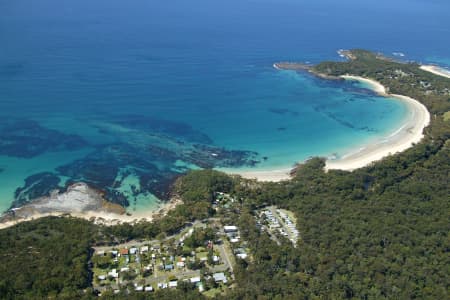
[(146, 156)]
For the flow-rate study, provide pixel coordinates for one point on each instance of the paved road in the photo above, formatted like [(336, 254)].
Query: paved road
[(139, 243), (224, 253)]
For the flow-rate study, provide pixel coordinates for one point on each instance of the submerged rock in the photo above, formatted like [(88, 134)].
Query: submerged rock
[(26, 139), (36, 185)]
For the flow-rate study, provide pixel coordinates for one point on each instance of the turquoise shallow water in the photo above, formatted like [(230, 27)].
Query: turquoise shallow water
[(127, 96)]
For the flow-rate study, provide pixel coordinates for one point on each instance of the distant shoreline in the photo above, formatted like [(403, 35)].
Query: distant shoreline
[(436, 70), (406, 136)]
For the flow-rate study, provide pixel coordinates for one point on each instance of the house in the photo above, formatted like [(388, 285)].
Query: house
[(125, 269), (242, 255), (148, 268), (162, 285), (168, 267), (234, 240), (173, 284), (180, 264), (195, 279), (148, 289), (144, 249), (101, 277), (216, 259), (133, 251), (230, 229), (114, 253), (113, 273), (220, 277), (101, 252), (123, 251), (139, 288)]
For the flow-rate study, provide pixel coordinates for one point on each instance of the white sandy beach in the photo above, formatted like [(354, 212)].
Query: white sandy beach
[(436, 70), (410, 132), (265, 175)]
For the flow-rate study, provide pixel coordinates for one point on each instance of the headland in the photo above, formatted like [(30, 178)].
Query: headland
[(81, 201)]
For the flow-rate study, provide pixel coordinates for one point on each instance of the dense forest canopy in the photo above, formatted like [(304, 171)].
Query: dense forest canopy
[(380, 232)]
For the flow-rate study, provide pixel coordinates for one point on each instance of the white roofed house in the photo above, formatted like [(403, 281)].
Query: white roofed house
[(113, 273), (148, 289), (230, 228), (101, 277), (195, 279), (220, 277), (144, 249)]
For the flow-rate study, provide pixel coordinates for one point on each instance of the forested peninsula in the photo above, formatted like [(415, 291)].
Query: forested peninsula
[(378, 232)]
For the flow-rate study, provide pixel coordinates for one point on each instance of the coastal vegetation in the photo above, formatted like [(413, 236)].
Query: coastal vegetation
[(379, 232)]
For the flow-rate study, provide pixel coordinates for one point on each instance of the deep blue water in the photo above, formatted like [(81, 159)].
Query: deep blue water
[(126, 95)]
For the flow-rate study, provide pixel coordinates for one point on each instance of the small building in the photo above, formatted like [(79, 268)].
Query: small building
[(125, 269), (180, 264), (144, 249), (114, 253), (133, 251), (162, 285), (195, 279), (173, 284), (101, 253), (231, 228), (113, 273), (123, 251), (139, 288), (242, 255), (216, 259), (101, 277), (148, 289), (168, 267), (220, 277)]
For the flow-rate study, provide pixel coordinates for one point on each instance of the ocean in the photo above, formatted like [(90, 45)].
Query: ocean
[(126, 96)]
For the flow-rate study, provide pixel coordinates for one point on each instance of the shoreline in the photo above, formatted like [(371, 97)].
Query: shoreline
[(409, 133), (436, 70)]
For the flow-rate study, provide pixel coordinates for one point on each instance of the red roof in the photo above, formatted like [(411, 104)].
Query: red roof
[(124, 251)]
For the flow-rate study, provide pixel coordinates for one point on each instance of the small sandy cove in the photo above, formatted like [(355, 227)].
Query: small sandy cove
[(411, 132)]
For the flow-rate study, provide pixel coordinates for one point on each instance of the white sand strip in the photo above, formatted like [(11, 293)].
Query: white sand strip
[(269, 175), (436, 70)]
